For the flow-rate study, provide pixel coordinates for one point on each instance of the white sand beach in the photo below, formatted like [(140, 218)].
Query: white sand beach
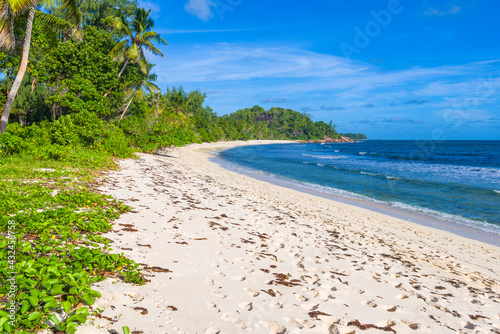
[(246, 256)]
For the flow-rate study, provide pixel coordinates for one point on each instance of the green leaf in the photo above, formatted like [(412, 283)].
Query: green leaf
[(25, 306), (51, 305), (82, 310), (94, 293), (89, 300), (33, 300), (125, 330), (34, 316), (71, 327), (48, 299), (54, 319), (81, 318), (56, 289), (66, 306)]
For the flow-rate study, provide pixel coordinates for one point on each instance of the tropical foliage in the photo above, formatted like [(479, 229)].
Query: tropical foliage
[(76, 91), (15, 9)]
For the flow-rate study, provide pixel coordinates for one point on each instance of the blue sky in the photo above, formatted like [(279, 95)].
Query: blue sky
[(390, 69)]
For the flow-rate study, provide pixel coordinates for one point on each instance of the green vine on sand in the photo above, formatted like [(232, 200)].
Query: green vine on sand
[(52, 251)]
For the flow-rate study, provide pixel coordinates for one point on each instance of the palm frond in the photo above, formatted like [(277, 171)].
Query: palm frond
[(151, 87), (118, 51), (118, 24), (52, 20), (153, 49), (152, 36), (133, 52), (160, 40), (143, 62), (73, 14), (152, 77), (20, 6), (139, 93), (71, 22), (7, 37)]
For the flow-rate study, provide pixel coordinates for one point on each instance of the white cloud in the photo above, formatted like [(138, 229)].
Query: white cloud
[(155, 8), (226, 61), (200, 9), (437, 12), (248, 74)]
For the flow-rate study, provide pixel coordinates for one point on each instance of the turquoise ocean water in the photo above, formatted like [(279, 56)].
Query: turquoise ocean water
[(456, 181)]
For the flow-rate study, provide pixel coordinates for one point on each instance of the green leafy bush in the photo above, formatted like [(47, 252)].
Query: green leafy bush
[(68, 139)]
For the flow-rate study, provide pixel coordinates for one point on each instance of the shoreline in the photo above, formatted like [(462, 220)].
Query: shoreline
[(226, 253), (383, 208)]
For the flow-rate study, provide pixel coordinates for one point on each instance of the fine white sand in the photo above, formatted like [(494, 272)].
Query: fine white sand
[(247, 256)]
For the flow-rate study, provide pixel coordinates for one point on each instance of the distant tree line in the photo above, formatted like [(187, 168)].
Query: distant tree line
[(82, 63), (358, 136)]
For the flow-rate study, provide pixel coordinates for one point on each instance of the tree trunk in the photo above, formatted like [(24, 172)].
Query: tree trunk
[(157, 108), (126, 108), (123, 68), (12, 31), (22, 70), (119, 74)]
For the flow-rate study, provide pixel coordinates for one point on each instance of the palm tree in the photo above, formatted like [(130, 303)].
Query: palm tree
[(7, 38), (137, 89), (178, 102), (139, 36), (13, 8)]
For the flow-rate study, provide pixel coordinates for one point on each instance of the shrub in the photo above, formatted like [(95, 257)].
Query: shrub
[(66, 138)]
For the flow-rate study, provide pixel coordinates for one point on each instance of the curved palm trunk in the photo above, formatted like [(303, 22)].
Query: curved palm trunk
[(126, 108), (119, 75), (123, 68), (22, 70)]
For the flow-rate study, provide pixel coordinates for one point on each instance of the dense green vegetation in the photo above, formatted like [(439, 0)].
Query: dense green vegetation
[(76, 92), (358, 136)]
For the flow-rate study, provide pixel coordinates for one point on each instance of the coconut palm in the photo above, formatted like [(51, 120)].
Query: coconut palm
[(14, 8), (138, 36), (137, 89)]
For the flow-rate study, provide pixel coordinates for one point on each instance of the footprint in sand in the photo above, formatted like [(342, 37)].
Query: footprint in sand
[(246, 306), (276, 304), (301, 298), (357, 290), (294, 322), (391, 308), (309, 306), (239, 323), (468, 325), (212, 306), (219, 294), (251, 292), (370, 303), (305, 323), (273, 327)]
